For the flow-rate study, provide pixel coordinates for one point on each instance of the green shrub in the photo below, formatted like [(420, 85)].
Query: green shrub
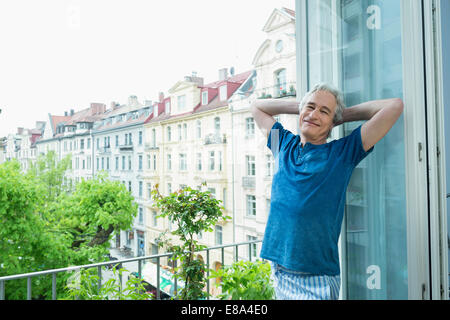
[(245, 280)]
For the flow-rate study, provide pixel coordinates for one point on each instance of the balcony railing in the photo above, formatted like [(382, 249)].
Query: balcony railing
[(126, 147), (140, 260), (214, 138)]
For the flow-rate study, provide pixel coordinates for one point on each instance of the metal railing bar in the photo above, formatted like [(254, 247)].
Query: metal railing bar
[(207, 274), (29, 288), (158, 294), (54, 286), (86, 266), (99, 272), (2, 290), (54, 272)]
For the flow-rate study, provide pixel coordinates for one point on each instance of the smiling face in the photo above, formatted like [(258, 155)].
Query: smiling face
[(316, 117)]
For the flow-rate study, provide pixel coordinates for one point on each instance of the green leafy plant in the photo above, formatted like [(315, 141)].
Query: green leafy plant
[(46, 225), (193, 212), (83, 285), (245, 280)]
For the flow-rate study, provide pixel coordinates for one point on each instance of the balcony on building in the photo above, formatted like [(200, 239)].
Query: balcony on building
[(248, 182), (214, 138)]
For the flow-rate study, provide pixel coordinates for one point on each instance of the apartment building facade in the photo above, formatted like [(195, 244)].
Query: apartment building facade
[(189, 143), (118, 142)]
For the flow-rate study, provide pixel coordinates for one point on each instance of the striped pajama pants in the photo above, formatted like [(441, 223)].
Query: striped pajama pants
[(295, 285)]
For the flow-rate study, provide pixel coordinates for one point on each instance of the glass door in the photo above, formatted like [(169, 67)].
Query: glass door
[(357, 46)]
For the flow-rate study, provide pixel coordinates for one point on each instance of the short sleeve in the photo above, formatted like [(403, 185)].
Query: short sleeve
[(353, 150), (278, 138)]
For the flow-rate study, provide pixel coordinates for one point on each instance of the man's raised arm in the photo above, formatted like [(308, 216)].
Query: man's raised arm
[(263, 111), (381, 116)]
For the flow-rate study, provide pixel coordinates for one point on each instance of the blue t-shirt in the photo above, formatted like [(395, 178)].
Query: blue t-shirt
[(308, 199)]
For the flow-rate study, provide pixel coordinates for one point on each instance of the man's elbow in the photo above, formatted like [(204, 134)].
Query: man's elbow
[(398, 103)]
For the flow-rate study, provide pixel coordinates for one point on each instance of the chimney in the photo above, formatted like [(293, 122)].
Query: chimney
[(65, 113), (223, 74), (132, 101), (40, 125), (72, 112), (193, 78), (97, 108), (19, 130), (161, 96)]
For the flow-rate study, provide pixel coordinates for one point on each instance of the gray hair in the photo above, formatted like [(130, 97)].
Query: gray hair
[(322, 86)]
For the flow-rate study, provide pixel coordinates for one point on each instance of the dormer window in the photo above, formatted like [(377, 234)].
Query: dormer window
[(167, 107), (181, 102), (223, 93), (204, 97)]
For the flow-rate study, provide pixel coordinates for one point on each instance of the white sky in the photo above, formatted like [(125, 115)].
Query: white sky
[(57, 55)]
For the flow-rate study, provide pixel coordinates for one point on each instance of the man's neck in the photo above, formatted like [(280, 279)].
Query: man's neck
[(304, 140)]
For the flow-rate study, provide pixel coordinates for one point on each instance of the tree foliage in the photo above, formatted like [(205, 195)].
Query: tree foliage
[(192, 212), (47, 224)]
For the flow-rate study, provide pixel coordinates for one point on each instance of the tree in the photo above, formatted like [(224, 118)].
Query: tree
[(44, 226), (193, 212), (23, 240), (90, 216)]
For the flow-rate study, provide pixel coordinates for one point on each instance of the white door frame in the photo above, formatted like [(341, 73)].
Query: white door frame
[(436, 146)]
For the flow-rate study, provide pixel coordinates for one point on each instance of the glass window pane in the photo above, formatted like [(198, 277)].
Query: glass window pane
[(361, 55)]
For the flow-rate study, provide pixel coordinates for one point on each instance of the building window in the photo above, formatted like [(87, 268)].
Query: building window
[(154, 218), (199, 161), (82, 144), (249, 126), (223, 93), (218, 235), (252, 246), (117, 140), (211, 160), (217, 125), (141, 189), (224, 197), (213, 192), (280, 80), (185, 131), (117, 163), (250, 160), (149, 190), (169, 162), (141, 216), (270, 164), (154, 137), (251, 205), (169, 188), (204, 97), (181, 102), (179, 132), (140, 162), (167, 107), (169, 134), (154, 162), (129, 186), (123, 162), (199, 129), (107, 163), (129, 162), (183, 165), (140, 137)]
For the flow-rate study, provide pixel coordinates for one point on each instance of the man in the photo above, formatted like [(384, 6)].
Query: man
[(310, 182)]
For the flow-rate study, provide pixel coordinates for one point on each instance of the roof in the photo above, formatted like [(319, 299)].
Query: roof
[(234, 82)]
